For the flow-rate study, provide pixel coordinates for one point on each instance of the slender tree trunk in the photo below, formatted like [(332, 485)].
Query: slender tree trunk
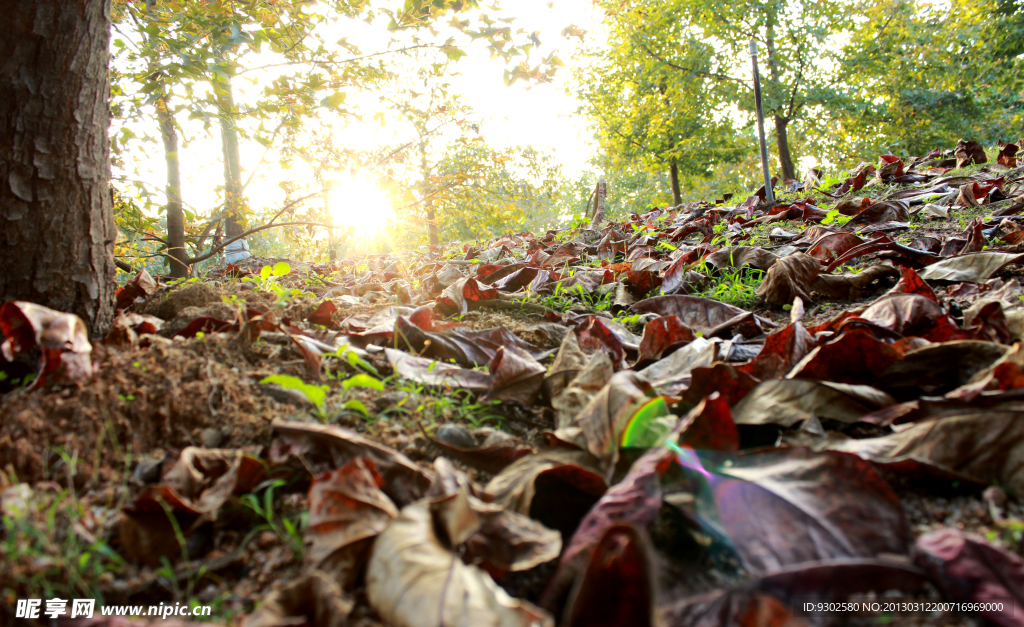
[(428, 205), (175, 214), (432, 224), (781, 137), (56, 222), (673, 173), (782, 143), (233, 201)]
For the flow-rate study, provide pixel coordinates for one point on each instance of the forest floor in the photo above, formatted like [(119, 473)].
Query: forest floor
[(711, 415)]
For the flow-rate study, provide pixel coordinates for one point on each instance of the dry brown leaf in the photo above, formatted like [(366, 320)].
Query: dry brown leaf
[(414, 580)]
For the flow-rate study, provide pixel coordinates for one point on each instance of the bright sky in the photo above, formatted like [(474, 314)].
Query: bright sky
[(542, 116)]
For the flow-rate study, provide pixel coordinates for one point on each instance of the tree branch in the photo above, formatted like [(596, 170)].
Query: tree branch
[(216, 249)]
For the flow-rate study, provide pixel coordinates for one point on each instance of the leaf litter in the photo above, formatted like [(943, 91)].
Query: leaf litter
[(581, 427)]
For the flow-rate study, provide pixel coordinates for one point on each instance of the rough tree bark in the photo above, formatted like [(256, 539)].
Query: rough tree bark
[(56, 222), (782, 142)]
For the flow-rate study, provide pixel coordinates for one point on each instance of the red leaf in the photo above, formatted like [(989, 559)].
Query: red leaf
[(323, 313)]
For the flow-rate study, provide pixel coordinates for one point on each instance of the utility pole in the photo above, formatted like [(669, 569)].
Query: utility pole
[(769, 196)]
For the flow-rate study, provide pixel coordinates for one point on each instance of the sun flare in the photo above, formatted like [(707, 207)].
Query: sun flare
[(360, 204)]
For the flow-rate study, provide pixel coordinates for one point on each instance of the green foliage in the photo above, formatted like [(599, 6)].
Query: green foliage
[(923, 73), (267, 281), (732, 286), (563, 299), (289, 530), (317, 394)]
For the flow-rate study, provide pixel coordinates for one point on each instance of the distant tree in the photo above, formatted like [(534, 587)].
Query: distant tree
[(925, 74), (55, 201), (645, 111)]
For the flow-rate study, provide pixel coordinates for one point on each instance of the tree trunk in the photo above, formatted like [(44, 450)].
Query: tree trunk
[(781, 137), (673, 173), (233, 201), (782, 144), (56, 221), (432, 224), (175, 214)]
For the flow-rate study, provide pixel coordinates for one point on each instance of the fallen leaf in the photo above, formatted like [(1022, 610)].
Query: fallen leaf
[(663, 335), (809, 507), (852, 285), (487, 449), (141, 285), (430, 372), (705, 316), (968, 152), (322, 314), (556, 487), (741, 257), (786, 402), (969, 569), (328, 447), (312, 599), (599, 425), (516, 376), (618, 585), (63, 341), (414, 580), (789, 278), (974, 267), (782, 350), (987, 447), (347, 510)]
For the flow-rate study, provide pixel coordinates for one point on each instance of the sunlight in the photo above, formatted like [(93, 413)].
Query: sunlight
[(360, 204)]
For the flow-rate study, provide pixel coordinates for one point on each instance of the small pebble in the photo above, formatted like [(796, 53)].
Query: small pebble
[(455, 435), (211, 437)]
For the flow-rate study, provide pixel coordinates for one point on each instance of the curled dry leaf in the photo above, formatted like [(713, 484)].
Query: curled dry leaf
[(488, 449), (987, 447), (414, 580), (141, 285), (599, 425), (786, 402), (430, 372), (742, 257), (705, 316), (831, 245), (61, 338), (810, 507), (781, 351), (193, 490), (790, 278), (347, 510), (556, 487), (313, 599), (569, 359), (327, 446), (974, 267), (709, 426), (636, 501), (938, 368), (589, 381), (856, 356), (516, 376), (969, 569), (458, 298), (618, 585), (661, 336), (968, 152)]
